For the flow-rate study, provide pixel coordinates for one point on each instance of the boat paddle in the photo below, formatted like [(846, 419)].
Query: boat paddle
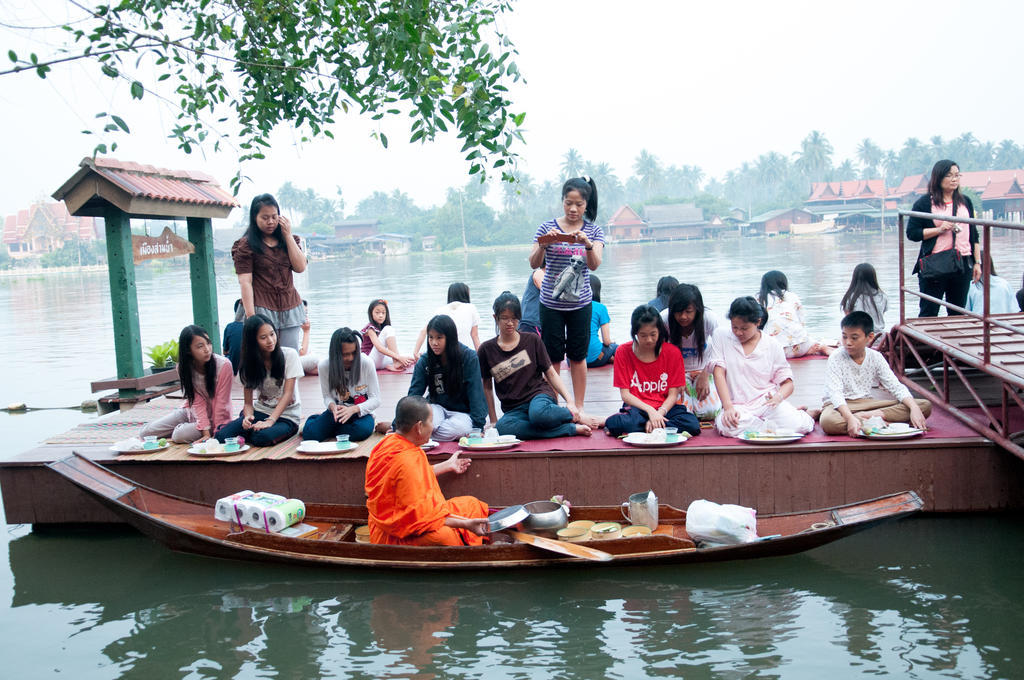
[(562, 547)]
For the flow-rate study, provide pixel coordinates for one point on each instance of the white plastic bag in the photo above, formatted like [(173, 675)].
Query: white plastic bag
[(717, 524)]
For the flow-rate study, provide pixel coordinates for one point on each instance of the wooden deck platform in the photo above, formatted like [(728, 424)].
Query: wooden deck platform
[(951, 468)]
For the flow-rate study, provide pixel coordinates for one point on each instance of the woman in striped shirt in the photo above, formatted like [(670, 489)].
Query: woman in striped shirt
[(569, 248)]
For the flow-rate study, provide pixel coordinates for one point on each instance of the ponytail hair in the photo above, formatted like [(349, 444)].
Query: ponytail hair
[(646, 314), (508, 301), (750, 310), (588, 190)]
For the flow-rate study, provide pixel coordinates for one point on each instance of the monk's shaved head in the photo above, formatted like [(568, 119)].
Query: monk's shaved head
[(411, 410)]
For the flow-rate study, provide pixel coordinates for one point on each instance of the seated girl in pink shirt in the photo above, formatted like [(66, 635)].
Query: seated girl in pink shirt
[(649, 373), (752, 376), (202, 374)]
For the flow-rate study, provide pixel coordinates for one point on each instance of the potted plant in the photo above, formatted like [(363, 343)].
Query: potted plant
[(163, 357)]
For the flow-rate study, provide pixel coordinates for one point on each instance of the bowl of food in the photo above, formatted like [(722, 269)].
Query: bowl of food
[(573, 534), (636, 530), (606, 530), (362, 534)]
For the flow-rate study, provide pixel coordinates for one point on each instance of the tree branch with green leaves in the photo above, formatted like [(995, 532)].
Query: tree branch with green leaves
[(263, 64)]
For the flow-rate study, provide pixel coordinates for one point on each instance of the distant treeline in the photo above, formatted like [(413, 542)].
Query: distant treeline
[(773, 180)]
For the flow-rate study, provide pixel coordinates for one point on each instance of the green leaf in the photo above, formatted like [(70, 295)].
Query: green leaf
[(13, 55), (120, 123), (137, 90)]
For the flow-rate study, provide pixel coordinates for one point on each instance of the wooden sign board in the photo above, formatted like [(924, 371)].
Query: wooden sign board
[(167, 244)]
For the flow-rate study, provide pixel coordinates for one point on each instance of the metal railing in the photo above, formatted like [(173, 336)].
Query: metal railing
[(994, 424), (986, 263)]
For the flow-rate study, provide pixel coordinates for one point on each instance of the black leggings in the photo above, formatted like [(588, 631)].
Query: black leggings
[(565, 333), (953, 288)]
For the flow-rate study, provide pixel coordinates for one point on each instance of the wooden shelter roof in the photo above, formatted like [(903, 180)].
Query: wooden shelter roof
[(143, 191)]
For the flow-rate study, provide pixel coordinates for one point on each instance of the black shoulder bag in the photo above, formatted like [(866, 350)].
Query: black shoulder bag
[(942, 264)]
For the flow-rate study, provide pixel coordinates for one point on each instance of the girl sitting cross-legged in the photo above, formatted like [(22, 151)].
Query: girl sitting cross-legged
[(649, 374), (206, 383), (449, 373), (524, 378), (268, 372), (752, 376), (348, 382)]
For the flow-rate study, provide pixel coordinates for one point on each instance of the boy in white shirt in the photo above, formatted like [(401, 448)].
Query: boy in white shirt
[(851, 374)]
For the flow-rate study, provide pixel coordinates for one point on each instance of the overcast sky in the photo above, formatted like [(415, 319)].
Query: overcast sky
[(711, 84)]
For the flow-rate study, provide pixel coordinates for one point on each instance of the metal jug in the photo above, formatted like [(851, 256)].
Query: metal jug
[(642, 509)]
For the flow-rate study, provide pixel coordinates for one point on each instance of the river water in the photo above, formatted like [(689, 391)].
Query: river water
[(923, 598)]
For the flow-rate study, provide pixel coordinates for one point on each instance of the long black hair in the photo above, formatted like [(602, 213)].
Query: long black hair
[(685, 295), (338, 379), (253, 372), (187, 366), (772, 283), (588, 190), (939, 172), (864, 283), (595, 287), (643, 315), (387, 313), (253, 234), (451, 369), (458, 292), (749, 310)]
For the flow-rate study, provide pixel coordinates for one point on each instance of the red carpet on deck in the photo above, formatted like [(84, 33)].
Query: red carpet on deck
[(940, 426)]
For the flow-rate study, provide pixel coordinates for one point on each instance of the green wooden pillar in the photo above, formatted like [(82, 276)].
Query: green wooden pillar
[(204, 280), (124, 303)]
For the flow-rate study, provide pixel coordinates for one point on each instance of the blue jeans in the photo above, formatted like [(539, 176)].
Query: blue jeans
[(323, 427), (540, 418), (277, 432), (631, 419)]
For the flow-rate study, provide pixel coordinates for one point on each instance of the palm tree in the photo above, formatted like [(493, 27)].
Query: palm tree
[(913, 157), (815, 157), (1008, 155), (648, 171), (870, 155), (572, 164), (609, 187), (772, 168), (845, 171)]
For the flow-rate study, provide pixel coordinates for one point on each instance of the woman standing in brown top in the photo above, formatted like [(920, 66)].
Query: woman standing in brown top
[(265, 258)]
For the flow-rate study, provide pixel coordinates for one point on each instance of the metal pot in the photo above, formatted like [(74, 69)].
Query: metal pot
[(546, 515)]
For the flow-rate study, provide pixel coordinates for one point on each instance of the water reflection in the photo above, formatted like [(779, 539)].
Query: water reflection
[(921, 598)]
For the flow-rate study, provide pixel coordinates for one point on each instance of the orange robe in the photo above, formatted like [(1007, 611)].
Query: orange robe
[(405, 501)]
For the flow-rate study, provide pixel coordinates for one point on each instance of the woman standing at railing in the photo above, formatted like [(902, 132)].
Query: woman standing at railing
[(950, 255)]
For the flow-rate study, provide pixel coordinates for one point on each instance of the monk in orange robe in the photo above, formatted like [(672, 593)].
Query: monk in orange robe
[(404, 499)]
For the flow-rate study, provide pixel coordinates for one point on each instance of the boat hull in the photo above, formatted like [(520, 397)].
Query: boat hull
[(189, 526)]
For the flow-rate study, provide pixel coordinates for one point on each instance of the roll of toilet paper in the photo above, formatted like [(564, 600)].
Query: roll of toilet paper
[(253, 506), (283, 515), (224, 510)]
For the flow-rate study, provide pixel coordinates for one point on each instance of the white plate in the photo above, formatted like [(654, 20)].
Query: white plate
[(322, 448), (498, 446), (639, 439), (217, 454), (159, 448), (902, 434), (771, 438), (430, 445)]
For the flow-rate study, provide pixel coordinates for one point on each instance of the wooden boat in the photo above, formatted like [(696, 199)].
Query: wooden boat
[(190, 526)]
